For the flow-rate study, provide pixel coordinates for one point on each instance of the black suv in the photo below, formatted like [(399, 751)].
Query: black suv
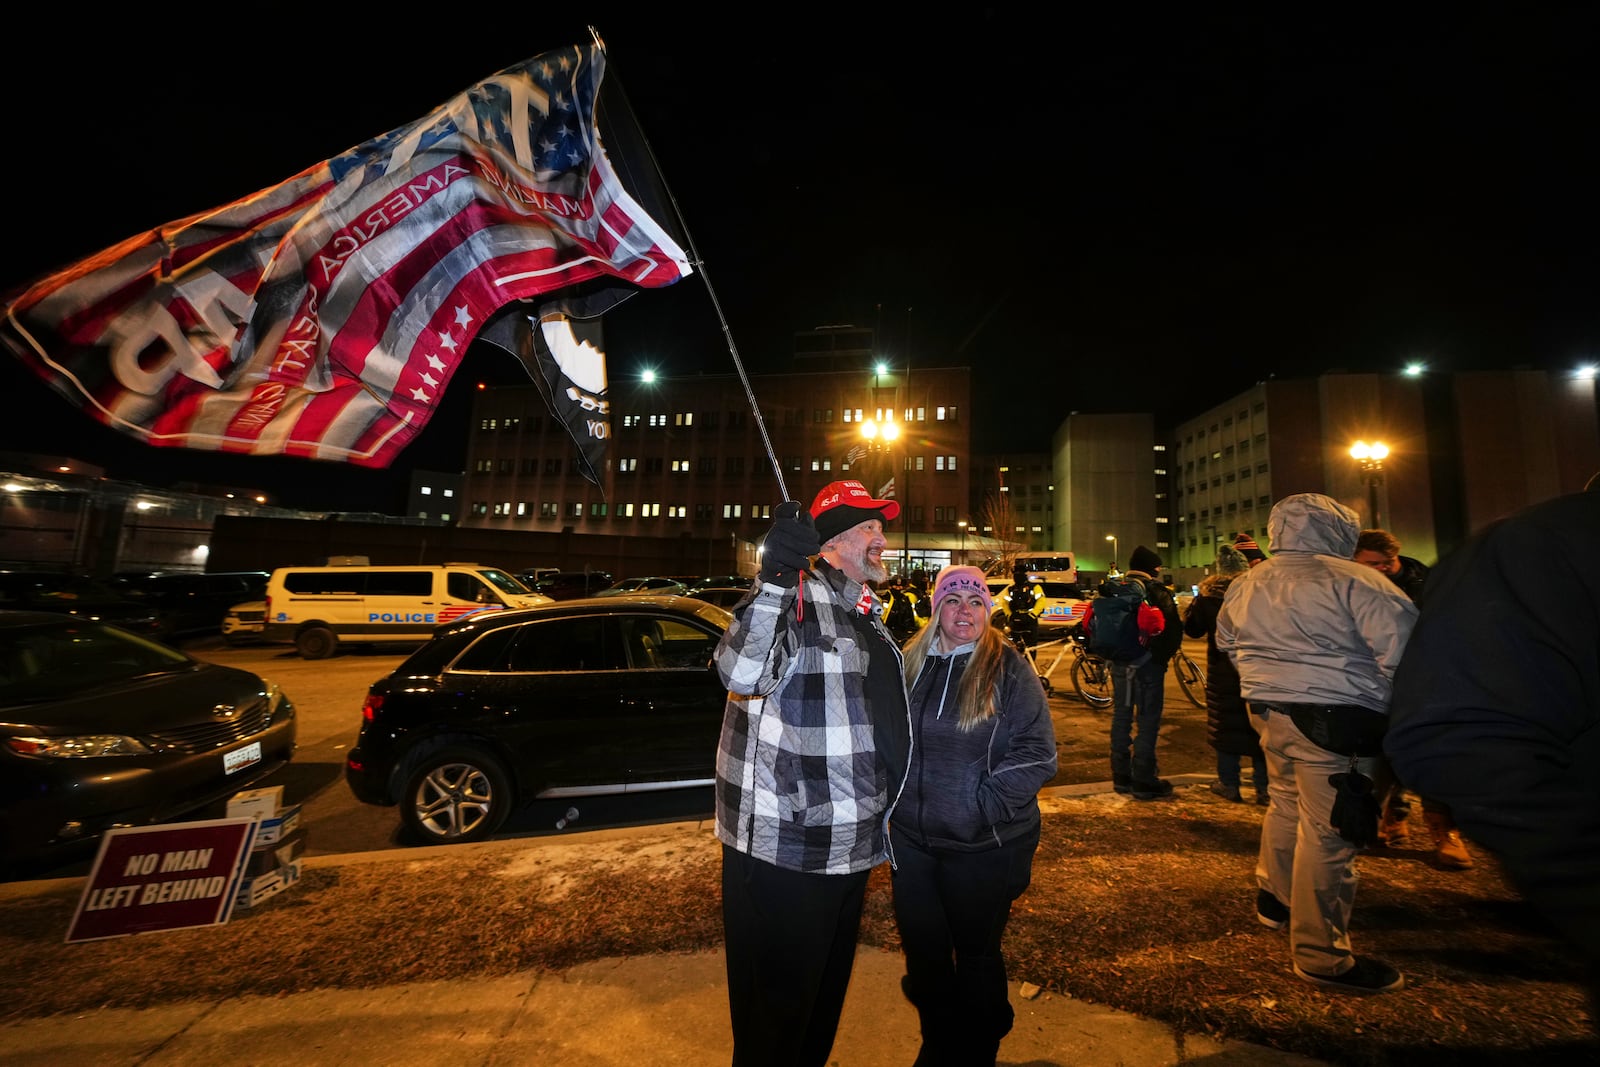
[(76, 594), (575, 699), (570, 585), (190, 604)]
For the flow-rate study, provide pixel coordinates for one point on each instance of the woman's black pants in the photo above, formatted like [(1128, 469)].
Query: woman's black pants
[(951, 908)]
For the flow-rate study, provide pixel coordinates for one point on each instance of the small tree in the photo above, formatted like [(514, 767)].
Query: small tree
[(997, 517)]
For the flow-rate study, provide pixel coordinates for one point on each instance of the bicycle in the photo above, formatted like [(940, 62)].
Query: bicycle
[(1190, 677), (1091, 676), (1026, 642)]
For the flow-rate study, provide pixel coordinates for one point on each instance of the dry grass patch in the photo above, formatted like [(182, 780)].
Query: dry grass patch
[(1147, 907)]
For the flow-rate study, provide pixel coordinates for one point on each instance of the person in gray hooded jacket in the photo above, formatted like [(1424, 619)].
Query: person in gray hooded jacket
[(1313, 634), (964, 830)]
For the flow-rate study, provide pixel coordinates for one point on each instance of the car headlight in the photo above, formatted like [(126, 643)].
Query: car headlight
[(85, 746)]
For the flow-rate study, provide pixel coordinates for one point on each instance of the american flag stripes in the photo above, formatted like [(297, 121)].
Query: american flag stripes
[(324, 317)]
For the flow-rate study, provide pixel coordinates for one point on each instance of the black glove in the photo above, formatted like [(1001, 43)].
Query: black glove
[(1355, 808), (790, 544)]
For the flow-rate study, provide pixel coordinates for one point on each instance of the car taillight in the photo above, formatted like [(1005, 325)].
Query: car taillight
[(371, 706)]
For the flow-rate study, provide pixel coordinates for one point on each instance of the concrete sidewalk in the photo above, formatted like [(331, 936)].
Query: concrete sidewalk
[(628, 1012), (634, 1012)]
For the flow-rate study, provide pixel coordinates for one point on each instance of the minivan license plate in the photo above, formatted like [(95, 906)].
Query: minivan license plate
[(240, 758)]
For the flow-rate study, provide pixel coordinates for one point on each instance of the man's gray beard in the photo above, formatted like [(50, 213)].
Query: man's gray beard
[(875, 572)]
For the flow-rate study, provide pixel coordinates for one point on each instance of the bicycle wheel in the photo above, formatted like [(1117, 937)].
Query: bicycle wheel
[(1092, 681), (1191, 678)]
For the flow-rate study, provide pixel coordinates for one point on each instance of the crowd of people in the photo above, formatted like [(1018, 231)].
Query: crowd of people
[(1343, 671)]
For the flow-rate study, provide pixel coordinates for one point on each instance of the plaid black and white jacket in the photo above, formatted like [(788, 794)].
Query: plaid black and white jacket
[(799, 780)]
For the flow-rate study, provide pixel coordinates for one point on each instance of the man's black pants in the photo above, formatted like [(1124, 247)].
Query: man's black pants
[(791, 943)]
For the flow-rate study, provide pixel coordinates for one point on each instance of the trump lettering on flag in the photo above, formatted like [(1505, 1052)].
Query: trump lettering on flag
[(323, 317)]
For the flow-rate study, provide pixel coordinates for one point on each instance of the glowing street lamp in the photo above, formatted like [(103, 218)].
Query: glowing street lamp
[(963, 525), (1114, 551), (881, 438), (1370, 458)]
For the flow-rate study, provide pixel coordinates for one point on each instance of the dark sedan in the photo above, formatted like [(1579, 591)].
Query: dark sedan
[(100, 727), (576, 698)]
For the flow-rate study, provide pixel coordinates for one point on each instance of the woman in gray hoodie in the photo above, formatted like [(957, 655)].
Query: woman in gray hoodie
[(965, 828)]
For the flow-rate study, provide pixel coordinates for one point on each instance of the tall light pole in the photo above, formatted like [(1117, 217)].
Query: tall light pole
[(881, 438), (1370, 457), (963, 525), (1114, 551)]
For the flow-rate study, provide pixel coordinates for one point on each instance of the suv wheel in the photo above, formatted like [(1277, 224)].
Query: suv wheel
[(316, 642), (459, 793)]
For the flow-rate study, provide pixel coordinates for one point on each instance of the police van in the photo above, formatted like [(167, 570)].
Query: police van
[(318, 608)]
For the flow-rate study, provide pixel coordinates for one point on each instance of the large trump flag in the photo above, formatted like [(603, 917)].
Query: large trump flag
[(323, 317)]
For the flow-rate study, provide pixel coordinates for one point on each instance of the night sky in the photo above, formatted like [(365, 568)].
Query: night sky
[(1116, 212)]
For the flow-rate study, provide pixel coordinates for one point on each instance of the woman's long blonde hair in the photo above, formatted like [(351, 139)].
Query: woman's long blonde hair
[(980, 682)]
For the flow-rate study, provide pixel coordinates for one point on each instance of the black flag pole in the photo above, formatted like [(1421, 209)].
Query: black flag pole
[(641, 193)]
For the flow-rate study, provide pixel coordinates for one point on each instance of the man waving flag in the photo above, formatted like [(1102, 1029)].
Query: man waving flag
[(323, 317)]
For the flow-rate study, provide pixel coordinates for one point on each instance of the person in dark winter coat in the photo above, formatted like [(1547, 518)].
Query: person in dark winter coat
[(964, 829), (1227, 719), (1497, 706), (1380, 550)]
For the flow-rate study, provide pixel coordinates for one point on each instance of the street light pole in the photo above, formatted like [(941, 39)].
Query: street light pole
[(1115, 545), (1370, 457), (880, 439), (963, 525)]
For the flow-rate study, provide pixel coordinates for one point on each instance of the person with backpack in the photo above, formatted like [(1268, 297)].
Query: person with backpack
[(1133, 625)]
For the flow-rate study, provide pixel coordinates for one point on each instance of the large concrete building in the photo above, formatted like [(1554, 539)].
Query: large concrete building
[(687, 455), (1463, 450)]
